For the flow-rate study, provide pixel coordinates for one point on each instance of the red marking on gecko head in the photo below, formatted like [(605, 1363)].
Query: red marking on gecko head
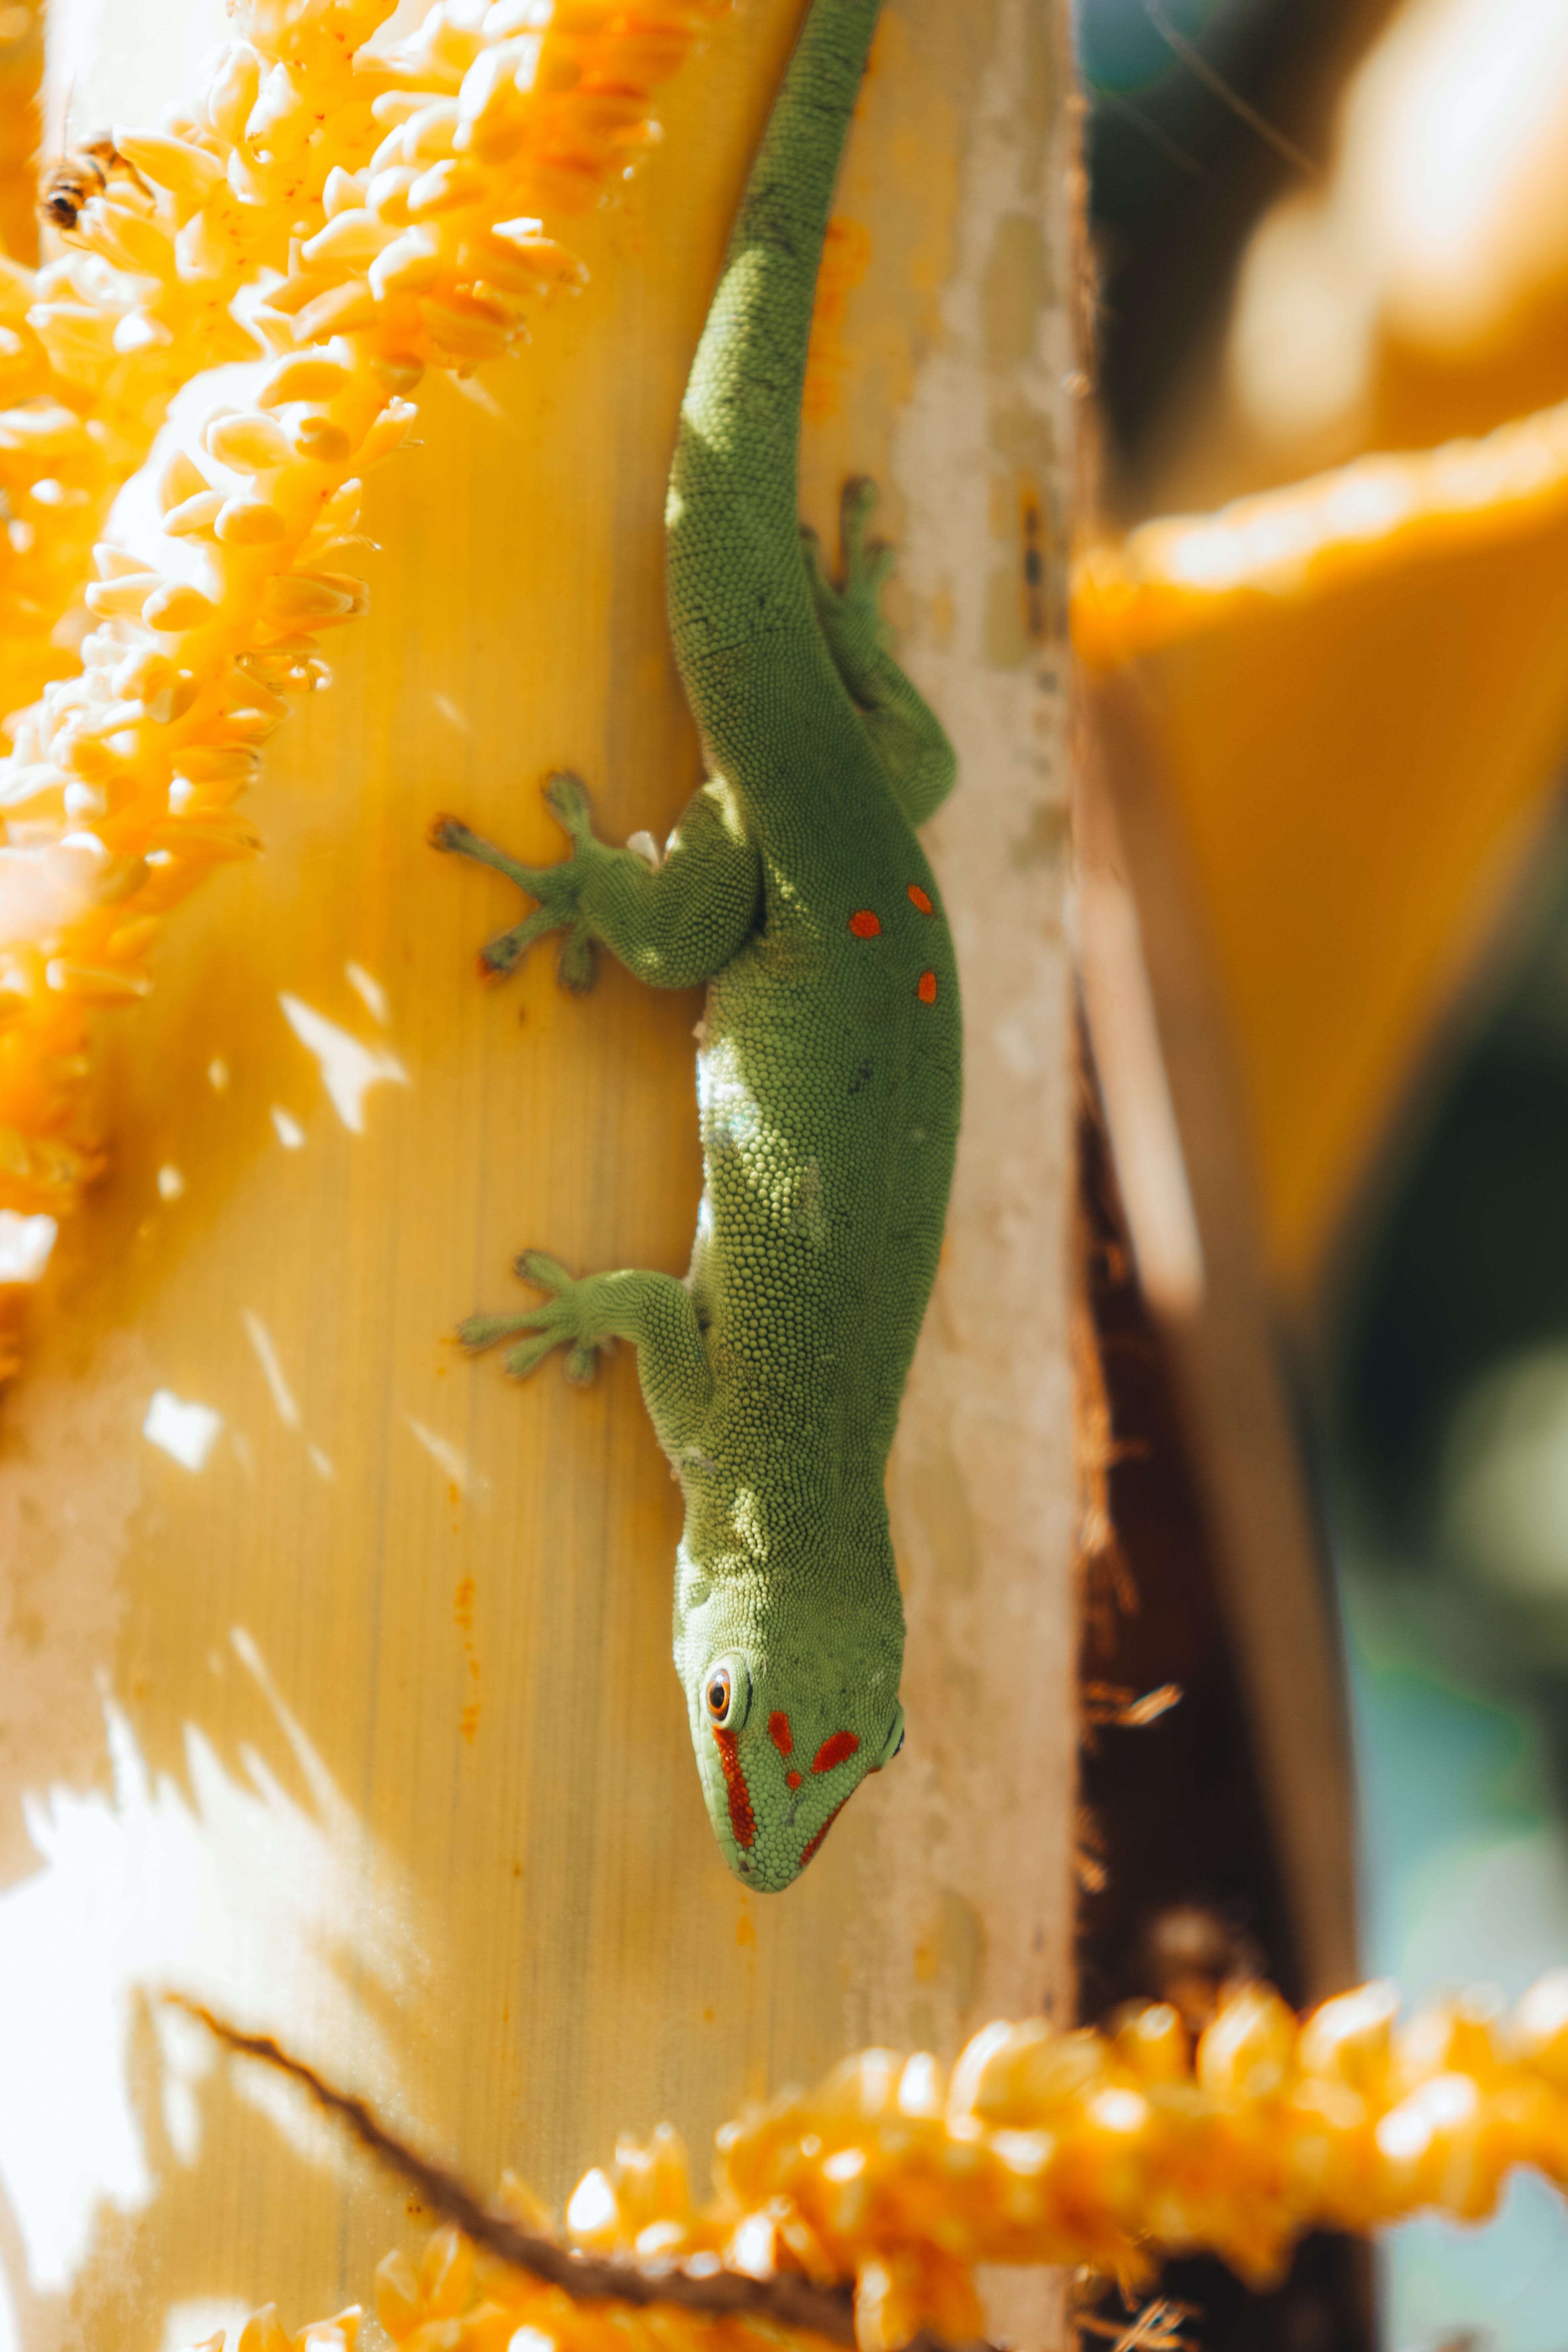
[(917, 898), (791, 1779), (742, 1819), (865, 924), (925, 987), (836, 1749), (813, 1843), (780, 1733)]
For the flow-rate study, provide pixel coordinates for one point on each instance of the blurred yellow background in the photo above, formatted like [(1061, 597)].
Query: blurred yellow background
[(1356, 688)]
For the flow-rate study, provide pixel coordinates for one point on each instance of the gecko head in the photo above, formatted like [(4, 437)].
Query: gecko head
[(783, 1742)]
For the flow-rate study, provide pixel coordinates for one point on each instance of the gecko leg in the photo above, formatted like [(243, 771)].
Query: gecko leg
[(673, 922), (587, 1315), (915, 754)]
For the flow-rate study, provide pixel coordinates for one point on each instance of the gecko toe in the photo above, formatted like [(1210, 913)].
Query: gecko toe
[(577, 966), (542, 1271), (582, 1360), (476, 1332), (857, 501), (518, 1362), (505, 950), (566, 797)]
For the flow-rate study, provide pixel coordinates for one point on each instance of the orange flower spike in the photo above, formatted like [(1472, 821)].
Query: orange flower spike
[(397, 198), (1106, 2150)]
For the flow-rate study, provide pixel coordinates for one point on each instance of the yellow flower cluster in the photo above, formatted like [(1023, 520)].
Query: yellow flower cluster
[(325, 225), (1107, 2150)]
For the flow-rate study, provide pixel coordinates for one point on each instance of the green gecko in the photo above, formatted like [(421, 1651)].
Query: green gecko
[(829, 1069)]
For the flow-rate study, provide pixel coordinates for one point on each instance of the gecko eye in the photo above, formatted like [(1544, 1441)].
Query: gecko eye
[(727, 1692), (894, 1740)]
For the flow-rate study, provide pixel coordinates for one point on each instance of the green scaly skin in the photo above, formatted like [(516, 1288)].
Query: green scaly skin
[(829, 1072)]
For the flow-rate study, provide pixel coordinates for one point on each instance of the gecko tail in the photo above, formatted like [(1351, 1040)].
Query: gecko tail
[(736, 577)]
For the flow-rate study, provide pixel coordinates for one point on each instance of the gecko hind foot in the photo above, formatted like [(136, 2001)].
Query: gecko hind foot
[(867, 562), (849, 600)]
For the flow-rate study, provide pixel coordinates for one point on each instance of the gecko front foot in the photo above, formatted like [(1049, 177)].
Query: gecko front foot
[(564, 1319), (557, 888)]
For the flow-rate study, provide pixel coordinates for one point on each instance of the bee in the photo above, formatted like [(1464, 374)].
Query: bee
[(82, 173)]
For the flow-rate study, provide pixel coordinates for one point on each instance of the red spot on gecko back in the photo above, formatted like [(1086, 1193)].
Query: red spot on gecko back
[(865, 924), (836, 1749), (917, 898), (925, 987), (780, 1733), (822, 1833), (742, 1819), (791, 1779)]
